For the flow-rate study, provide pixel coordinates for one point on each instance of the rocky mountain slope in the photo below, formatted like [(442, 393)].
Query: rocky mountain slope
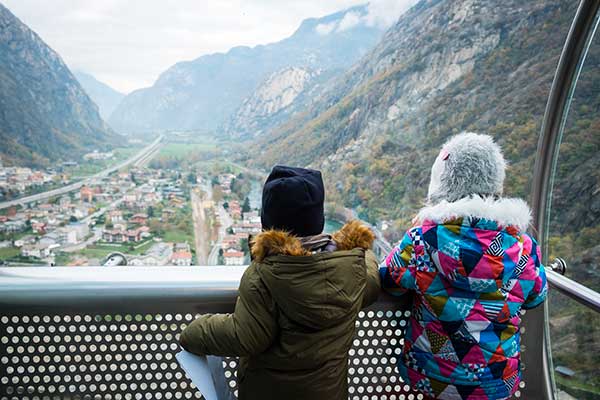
[(103, 95), (203, 94), (280, 96), (444, 67), (45, 115)]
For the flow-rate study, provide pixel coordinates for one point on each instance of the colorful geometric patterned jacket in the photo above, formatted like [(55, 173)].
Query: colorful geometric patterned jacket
[(470, 269)]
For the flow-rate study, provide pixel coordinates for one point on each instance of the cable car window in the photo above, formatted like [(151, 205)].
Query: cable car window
[(574, 235)]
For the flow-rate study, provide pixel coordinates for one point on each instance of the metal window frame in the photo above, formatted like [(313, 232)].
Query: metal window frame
[(557, 109)]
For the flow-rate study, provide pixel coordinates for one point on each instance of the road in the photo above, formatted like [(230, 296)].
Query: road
[(200, 234), (141, 157), (225, 222)]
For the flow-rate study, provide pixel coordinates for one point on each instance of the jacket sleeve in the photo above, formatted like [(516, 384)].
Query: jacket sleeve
[(250, 330), (373, 283), (538, 293), (398, 272)]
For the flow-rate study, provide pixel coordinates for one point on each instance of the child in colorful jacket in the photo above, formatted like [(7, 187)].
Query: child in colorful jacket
[(470, 268)]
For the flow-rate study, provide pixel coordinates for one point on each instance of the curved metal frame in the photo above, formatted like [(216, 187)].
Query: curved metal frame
[(557, 109)]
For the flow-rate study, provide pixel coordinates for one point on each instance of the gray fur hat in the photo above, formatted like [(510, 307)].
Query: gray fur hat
[(468, 164)]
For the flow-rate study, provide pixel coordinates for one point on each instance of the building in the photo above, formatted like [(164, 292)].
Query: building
[(97, 156), (116, 216), (13, 226), (38, 227), (118, 235), (251, 217), (139, 219), (235, 210), (37, 250), (248, 228), (181, 258), (234, 257), (87, 194), (76, 233), (181, 247)]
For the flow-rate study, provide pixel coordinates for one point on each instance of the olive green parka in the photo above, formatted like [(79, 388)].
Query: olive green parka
[(294, 319)]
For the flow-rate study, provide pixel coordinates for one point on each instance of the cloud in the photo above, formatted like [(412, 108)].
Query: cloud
[(349, 21), (326, 29), (380, 13), (128, 43), (385, 13)]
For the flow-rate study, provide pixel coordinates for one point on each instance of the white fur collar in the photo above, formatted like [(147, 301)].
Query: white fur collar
[(504, 211)]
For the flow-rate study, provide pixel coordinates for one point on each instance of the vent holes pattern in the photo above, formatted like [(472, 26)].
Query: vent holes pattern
[(132, 356)]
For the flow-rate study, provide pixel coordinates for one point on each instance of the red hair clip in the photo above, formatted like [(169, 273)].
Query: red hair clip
[(445, 154)]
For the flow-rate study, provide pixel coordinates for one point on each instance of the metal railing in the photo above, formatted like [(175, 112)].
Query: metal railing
[(111, 333)]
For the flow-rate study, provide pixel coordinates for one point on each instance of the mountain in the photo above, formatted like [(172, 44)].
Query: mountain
[(281, 95), (203, 94), (45, 115), (444, 67), (103, 95)]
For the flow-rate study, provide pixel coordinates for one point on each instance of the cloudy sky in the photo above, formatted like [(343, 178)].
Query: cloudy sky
[(128, 43)]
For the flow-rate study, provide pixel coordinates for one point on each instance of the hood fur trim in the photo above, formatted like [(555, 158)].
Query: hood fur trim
[(354, 235), (274, 242), (506, 212)]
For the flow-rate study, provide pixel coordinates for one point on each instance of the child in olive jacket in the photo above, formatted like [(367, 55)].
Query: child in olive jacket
[(294, 319)]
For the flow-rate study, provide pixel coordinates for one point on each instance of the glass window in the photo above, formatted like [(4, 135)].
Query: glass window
[(575, 341), (574, 225), (574, 235)]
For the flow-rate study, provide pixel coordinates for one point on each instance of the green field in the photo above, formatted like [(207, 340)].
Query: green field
[(9, 252), (178, 236), (181, 150), (102, 250), (88, 168)]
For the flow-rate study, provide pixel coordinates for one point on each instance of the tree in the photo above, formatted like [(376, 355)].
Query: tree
[(108, 223), (150, 212), (217, 193), (73, 219), (191, 178), (244, 244), (246, 206)]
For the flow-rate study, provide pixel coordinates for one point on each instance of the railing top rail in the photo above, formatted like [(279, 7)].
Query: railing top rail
[(119, 288), (574, 290)]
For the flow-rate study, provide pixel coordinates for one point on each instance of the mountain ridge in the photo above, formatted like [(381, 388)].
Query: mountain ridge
[(105, 97), (203, 93), (46, 115)]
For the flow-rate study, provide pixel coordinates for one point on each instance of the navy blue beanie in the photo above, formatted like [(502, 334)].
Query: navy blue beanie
[(293, 200)]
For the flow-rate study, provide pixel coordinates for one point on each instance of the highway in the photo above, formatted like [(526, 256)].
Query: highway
[(138, 159)]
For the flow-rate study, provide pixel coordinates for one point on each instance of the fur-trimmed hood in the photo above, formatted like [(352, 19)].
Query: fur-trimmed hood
[(504, 211), (274, 242), (315, 290)]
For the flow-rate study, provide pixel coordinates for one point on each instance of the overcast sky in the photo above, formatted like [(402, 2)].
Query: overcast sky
[(128, 43)]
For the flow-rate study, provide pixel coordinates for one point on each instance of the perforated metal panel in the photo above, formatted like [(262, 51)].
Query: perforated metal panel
[(92, 357), (132, 356)]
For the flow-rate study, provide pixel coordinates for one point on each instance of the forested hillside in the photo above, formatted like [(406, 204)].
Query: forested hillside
[(445, 67), (45, 115)]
